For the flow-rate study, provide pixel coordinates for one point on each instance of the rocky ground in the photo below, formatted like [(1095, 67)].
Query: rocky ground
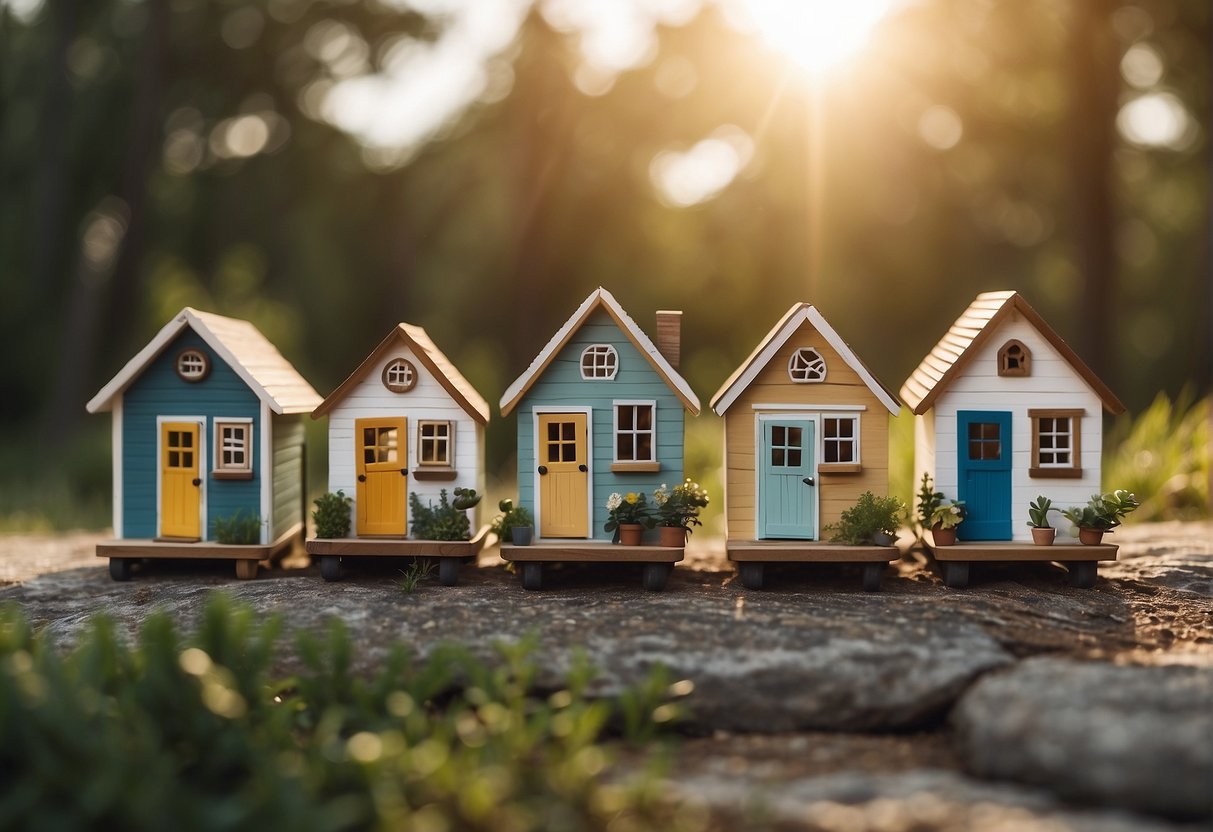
[(1019, 702)]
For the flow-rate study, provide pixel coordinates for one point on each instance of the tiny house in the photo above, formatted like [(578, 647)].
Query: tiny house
[(405, 422), (806, 433), (600, 410), (207, 426)]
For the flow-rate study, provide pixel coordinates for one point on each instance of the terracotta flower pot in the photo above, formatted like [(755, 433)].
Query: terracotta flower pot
[(1090, 537), (630, 534), (942, 536), (1043, 537), (673, 536)]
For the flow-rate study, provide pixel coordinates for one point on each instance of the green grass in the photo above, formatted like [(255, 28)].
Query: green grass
[(201, 731)]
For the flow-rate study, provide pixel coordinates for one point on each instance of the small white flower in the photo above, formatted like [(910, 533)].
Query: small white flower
[(614, 501)]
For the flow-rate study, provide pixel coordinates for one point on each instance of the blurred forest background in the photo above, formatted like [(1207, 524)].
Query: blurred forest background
[(326, 168)]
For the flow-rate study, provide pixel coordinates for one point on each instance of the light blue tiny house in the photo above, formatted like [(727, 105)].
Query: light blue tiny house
[(207, 422), (600, 410)]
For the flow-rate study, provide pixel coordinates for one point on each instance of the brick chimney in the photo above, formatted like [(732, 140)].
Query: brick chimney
[(669, 335)]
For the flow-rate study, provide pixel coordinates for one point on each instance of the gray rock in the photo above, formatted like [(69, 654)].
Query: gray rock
[(1140, 737)]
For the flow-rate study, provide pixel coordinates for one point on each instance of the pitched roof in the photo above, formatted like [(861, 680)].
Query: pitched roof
[(600, 298), (440, 367), (775, 340), (270, 376), (966, 336)]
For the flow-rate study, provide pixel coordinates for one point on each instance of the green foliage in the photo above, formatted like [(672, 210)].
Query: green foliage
[(465, 498), (1102, 512), (1163, 455), (332, 515), (1038, 512), (679, 507), (237, 528), (630, 508), (511, 517), (928, 501), (119, 736), (417, 572), (870, 516), (441, 522), (948, 516)]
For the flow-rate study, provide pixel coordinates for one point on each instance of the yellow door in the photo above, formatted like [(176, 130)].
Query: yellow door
[(381, 447), (563, 475), (180, 487)]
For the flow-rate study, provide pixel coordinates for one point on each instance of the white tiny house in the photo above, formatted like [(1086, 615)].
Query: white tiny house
[(405, 422), (1006, 410)]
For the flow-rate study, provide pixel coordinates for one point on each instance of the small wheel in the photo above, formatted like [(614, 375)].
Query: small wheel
[(532, 576), (871, 576), (656, 575), (1082, 573), (330, 567), (956, 574), (751, 575), (120, 569), (448, 571)]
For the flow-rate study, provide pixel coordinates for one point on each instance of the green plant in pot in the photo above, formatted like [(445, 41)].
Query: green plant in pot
[(872, 520), (628, 515), (928, 500), (1038, 521), (677, 510), (944, 520), (514, 524), (1101, 514)]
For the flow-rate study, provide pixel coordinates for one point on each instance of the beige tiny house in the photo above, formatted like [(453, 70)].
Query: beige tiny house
[(806, 432)]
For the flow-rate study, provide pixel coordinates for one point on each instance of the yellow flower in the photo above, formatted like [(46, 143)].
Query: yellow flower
[(631, 498)]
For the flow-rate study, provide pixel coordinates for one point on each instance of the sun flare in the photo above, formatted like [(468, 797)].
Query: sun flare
[(816, 34)]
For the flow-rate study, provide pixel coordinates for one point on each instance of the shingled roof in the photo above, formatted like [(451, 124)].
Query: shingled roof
[(240, 344), (440, 367), (965, 338)]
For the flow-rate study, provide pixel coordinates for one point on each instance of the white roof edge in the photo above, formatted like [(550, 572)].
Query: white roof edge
[(775, 344), (634, 331)]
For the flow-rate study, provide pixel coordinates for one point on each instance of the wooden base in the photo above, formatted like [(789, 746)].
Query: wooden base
[(590, 553), (807, 551), (396, 547), (247, 557), (1009, 551)]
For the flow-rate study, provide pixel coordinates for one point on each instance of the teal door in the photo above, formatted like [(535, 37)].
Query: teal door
[(787, 492), (984, 466)]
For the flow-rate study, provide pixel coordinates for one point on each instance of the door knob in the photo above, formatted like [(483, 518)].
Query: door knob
[(809, 481), (404, 472), (197, 481), (582, 468), (543, 469), (362, 478)]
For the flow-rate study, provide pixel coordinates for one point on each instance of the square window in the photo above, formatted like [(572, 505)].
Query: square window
[(1056, 443), (434, 443), (635, 432), (233, 447), (840, 439)]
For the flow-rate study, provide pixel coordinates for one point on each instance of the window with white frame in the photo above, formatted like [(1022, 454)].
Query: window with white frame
[(806, 365), (434, 446), (233, 448), (1056, 443), (399, 376), (193, 365), (840, 439), (635, 432), (599, 361)]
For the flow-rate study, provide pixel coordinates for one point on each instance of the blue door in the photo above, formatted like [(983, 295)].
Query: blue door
[(983, 456), (787, 494)]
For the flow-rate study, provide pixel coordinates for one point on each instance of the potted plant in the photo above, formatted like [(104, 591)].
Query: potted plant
[(944, 520), (513, 523), (1102, 513), (628, 515), (928, 500), (871, 521), (1038, 521), (678, 510)]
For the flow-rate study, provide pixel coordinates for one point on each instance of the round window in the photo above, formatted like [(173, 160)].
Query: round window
[(399, 376), (193, 365)]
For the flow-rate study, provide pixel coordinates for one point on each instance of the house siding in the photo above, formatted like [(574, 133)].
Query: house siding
[(159, 391), (428, 400), (561, 385), (1052, 384), (772, 386), (287, 492)]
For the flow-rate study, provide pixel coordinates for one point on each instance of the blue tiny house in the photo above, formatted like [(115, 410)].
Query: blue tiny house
[(207, 424), (601, 409)]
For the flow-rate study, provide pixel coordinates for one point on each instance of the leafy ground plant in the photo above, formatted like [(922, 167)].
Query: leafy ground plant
[(1163, 456), (438, 522), (237, 528), (417, 572), (199, 730)]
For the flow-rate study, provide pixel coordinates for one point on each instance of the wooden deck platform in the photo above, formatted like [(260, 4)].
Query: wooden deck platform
[(122, 553), (591, 553), (807, 551), (1009, 551), (396, 547)]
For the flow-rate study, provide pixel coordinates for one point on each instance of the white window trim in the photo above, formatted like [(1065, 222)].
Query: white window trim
[(450, 443), (396, 387), (825, 369), (609, 349), (536, 412), (615, 405), (217, 454), (858, 436), (202, 515)]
